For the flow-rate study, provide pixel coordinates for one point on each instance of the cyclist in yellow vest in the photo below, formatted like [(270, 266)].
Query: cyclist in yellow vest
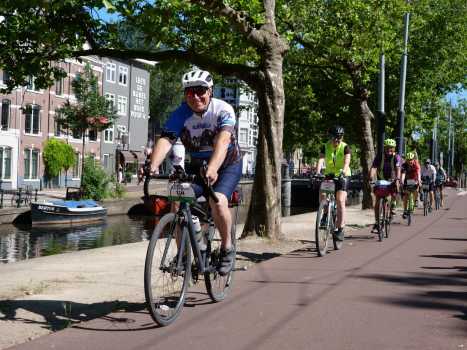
[(334, 158)]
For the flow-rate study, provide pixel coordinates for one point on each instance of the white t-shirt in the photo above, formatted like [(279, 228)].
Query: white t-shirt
[(429, 171)]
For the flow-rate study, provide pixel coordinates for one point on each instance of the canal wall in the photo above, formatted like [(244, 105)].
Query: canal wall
[(304, 198)]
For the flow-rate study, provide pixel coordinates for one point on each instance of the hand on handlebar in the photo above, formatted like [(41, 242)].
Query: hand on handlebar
[(210, 175)]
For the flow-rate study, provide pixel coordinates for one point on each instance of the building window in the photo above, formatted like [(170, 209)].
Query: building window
[(243, 134), (5, 77), (5, 163), (106, 161), (31, 83), (31, 164), (77, 134), (110, 72), (111, 98), (92, 134), (5, 114), (75, 172), (122, 102), (32, 119), (109, 135), (59, 86), (122, 75)]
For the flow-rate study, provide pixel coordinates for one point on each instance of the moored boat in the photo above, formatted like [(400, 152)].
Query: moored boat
[(66, 212)]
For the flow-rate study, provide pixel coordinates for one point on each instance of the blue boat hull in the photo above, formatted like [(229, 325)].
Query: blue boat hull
[(47, 213)]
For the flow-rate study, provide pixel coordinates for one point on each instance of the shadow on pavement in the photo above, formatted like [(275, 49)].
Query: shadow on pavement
[(256, 257), (61, 314), (450, 239), (443, 298)]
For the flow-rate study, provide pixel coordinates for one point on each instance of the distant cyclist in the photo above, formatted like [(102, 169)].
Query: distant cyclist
[(429, 175), (440, 180), (388, 168), (410, 171), (335, 158), (207, 128)]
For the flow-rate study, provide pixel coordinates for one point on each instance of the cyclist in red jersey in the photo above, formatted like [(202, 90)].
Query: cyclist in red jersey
[(410, 171)]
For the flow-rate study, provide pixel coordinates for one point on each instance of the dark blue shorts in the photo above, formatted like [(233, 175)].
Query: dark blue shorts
[(227, 180)]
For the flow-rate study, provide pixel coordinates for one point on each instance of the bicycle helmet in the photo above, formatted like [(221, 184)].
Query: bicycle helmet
[(436, 164), (197, 78), (389, 143), (336, 131), (410, 156)]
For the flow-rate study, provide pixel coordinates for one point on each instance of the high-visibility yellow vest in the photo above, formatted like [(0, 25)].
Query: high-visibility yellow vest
[(334, 158)]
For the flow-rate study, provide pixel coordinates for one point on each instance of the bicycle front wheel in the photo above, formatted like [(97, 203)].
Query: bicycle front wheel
[(167, 271), (381, 218), (410, 208), (219, 286), (425, 203), (323, 228), (388, 218), (437, 199)]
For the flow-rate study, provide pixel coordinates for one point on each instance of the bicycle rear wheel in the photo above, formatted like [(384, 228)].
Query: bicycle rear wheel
[(167, 271), (337, 244), (322, 229), (217, 286), (381, 218)]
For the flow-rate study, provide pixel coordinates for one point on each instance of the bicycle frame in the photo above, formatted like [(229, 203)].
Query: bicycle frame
[(184, 218)]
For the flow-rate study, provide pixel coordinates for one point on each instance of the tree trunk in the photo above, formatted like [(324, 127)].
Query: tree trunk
[(364, 124), (264, 215), (367, 150), (82, 160)]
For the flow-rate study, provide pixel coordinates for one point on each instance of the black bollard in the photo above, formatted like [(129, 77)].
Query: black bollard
[(286, 190)]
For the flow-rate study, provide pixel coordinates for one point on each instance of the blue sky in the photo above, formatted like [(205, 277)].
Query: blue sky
[(454, 97)]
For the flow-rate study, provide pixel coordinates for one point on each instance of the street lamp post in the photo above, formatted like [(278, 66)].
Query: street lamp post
[(401, 110), (381, 112)]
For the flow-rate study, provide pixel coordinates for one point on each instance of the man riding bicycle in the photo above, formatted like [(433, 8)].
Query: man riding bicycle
[(388, 168), (429, 176), (440, 180), (410, 171), (206, 127), (335, 158)]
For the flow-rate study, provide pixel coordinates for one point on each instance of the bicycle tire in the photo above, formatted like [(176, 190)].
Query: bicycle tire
[(381, 219), (337, 244), (387, 220), (410, 208), (165, 305), (217, 286), (437, 199), (322, 231), (425, 203)]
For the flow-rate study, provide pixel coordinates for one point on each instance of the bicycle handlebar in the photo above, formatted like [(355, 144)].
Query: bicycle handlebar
[(179, 175)]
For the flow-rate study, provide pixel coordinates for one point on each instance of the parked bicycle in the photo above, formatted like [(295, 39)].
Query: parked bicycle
[(383, 190), (411, 189), (169, 266), (20, 198), (326, 215)]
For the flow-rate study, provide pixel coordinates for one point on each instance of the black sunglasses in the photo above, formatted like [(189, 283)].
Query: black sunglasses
[(196, 90)]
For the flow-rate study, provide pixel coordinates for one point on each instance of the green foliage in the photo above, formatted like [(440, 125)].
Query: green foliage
[(166, 91), (91, 110), (95, 180), (56, 155)]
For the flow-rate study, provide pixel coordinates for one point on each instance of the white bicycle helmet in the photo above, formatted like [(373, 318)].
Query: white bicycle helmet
[(197, 78)]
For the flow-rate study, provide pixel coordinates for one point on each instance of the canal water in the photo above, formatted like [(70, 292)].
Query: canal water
[(26, 242)]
